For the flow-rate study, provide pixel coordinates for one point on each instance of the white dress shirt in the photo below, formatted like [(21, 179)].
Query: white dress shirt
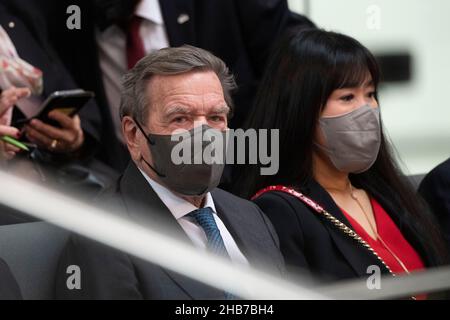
[(113, 57), (180, 208)]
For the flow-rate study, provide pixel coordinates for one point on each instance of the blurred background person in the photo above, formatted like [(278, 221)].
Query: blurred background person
[(24, 45), (8, 98), (320, 91), (60, 155), (435, 189), (115, 34)]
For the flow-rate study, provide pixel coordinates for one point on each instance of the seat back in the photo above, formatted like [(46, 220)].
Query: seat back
[(32, 252), (415, 180)]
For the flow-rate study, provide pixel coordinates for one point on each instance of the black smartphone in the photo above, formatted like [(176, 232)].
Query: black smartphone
[(69, 102)]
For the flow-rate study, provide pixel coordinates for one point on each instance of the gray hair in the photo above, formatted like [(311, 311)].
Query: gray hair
[(169, 61)]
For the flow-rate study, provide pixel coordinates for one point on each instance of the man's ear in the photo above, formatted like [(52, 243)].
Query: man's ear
[(132, 136)]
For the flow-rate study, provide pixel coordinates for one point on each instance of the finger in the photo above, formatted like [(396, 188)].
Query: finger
[(37, 137), (4, 154), (64, 120), (10, 96), (9, 155), (5, 117), (16, 92), (11, 148), (51, 132), (77, 122), (8, 92), (6, 104), (23, 93), (9, 131)]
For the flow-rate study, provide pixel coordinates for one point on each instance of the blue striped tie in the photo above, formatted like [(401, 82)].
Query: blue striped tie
[(205, 219)]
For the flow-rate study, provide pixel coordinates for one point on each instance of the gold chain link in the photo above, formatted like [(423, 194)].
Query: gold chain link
[(341, 226)]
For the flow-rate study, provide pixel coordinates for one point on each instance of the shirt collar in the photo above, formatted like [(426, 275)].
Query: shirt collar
[(150, 10), (177, 205)]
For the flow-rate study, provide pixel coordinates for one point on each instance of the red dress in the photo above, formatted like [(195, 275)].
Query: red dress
[(392, 236)]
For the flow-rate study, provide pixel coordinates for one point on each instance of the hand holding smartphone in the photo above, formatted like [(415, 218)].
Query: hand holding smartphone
[(69, 102)]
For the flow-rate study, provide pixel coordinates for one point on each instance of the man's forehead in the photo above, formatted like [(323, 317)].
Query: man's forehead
[(189, 87), (195, 80)]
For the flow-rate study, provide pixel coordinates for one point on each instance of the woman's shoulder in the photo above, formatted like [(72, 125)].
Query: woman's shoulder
[(292, 218), (282, 204)]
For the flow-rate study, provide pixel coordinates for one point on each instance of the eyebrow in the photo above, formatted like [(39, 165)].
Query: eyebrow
[(221, 109), (177, 110), (369, 83)]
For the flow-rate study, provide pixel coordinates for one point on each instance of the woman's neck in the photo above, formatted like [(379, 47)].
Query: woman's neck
[(328, 176)]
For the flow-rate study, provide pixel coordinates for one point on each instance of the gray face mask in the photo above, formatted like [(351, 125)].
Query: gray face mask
[(352, 140), (192, 173)]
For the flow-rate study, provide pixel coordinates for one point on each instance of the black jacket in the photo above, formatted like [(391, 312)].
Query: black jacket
[(9, 289), (435, 189), (110, 274), (29, 34), (309, 241), (239, 32)]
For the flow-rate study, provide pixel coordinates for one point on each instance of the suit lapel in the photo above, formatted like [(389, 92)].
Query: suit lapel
[(195, 289), (179, 21), (359, 259), (249, 240), (230, 224), (144, 205)]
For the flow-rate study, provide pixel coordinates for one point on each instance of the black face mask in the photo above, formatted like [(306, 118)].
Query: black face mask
[(110, 12), (199, 175)]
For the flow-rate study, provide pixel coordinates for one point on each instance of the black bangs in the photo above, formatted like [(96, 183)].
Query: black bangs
[(353, 66)]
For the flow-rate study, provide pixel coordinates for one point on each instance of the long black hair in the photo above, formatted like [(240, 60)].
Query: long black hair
[(305, 68)]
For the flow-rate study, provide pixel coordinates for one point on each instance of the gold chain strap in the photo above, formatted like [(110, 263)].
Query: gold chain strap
[(341, 226), (336, 222), (317, 208)]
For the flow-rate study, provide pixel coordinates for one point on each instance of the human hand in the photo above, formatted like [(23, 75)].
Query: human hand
[(68, 138)]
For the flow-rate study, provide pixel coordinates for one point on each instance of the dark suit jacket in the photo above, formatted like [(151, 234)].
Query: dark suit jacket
[(310, 242), (110, 274), (239, 32), (9, 289), (30, 37), (435, 189)]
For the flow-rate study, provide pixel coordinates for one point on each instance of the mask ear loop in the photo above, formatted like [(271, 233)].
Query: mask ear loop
[(143, 132), (151, 143)]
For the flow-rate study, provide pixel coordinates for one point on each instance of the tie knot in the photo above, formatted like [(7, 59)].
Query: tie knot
[(134, 23), (204, 217)]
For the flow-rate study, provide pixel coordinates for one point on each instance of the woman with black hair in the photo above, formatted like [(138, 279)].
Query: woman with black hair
[(339, 202)]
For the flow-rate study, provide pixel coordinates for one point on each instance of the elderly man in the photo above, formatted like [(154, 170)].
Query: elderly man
[(175, 89), (115, 33)]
